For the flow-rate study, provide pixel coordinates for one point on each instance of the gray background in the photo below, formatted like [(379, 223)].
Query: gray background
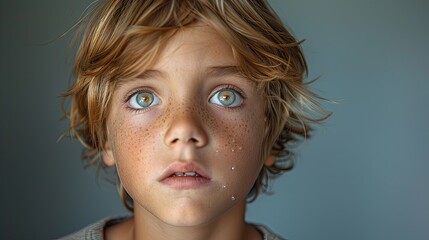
[(364, 175)]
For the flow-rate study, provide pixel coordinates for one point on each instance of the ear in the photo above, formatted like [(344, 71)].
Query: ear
[(108, 158), (270, 160)]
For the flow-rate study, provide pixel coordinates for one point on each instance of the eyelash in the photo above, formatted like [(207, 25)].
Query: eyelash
[(231, 87), (227, 87), (133, 94)]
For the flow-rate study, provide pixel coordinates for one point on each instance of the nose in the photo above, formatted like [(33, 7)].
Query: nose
[(186, 128)]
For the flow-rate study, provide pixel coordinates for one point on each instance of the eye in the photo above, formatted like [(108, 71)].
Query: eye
[(226, 98), (143, 99)]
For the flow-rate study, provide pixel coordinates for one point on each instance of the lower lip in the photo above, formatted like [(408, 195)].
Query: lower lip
[(185, 182)]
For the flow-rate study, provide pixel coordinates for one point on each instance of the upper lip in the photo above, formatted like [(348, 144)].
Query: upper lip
[(183, 167)]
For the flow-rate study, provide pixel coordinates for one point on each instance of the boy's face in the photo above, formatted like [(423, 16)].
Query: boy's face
[(191, 112)]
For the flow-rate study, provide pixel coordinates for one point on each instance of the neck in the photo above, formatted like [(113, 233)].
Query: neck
[(228, 226)]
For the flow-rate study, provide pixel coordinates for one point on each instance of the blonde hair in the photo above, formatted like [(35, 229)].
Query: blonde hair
[(122, 37)]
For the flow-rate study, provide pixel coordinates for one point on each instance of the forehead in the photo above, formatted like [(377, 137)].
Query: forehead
[(196, 49), (198, 44)]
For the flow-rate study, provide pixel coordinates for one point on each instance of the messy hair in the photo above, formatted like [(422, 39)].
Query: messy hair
[(121, 38)]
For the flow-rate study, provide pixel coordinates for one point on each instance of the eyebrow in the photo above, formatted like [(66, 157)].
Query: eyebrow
[(225, 71), (211, 71), (151, 73), (222, 71), (148, 74)]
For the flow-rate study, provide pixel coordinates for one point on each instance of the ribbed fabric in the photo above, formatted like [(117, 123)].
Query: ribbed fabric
[(96, 231)]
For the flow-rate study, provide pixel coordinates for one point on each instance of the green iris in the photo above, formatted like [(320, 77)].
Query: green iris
[(144, 99), (226, 97)]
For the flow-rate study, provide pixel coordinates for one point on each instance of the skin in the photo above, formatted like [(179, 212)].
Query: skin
[(188, 125)]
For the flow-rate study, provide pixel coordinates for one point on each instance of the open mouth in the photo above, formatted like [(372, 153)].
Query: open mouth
[(185, 174)]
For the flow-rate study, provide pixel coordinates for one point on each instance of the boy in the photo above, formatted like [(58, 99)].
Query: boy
[(195, 103)]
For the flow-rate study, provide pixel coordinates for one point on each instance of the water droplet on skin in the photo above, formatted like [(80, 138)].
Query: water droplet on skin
[(232, 198), (232, 150), (224, 187), (217, 150), (232, 168), (240, 148)]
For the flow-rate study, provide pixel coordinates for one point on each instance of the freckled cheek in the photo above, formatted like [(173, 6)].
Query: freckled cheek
[(239, 143), (239, 134), (132, 143)]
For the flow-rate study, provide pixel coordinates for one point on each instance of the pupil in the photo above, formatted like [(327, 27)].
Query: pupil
[(145, 99), (227, 97)]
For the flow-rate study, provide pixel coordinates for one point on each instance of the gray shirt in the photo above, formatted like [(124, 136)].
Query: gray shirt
[(96, 231)]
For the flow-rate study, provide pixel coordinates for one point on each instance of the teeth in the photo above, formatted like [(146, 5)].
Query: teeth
[(186, 174), (192, 174)]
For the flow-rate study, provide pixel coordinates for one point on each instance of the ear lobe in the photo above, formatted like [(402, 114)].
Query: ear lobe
[(270, 160), (108, 158)]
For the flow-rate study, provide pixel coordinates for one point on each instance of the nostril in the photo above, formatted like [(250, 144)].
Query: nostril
[(192, 140), (184, 131)]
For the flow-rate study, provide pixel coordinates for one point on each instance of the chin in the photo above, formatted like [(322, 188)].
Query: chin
[(188, 220), (188, 215)]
